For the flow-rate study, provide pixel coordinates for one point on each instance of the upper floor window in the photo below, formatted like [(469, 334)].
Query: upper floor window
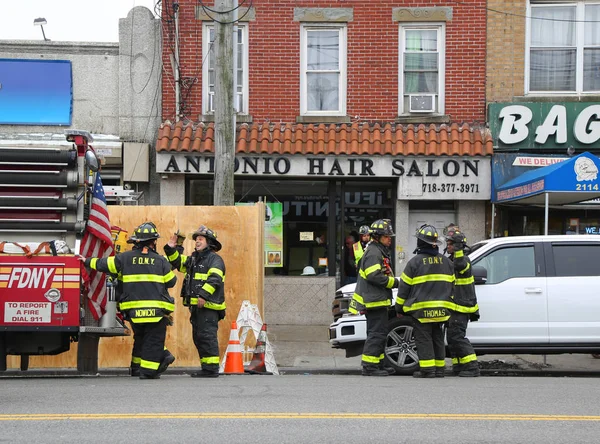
[(564, 48), (421, 63), (323, 70), (240, 41)]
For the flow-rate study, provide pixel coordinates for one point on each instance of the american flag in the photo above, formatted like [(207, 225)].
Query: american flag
[(97, 242)]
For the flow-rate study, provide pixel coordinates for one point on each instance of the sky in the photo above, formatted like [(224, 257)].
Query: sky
[(67, 20)]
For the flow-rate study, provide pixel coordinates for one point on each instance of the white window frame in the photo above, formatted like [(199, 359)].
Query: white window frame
[(207, 100), (304, 29), (441, 48), (579, 42)]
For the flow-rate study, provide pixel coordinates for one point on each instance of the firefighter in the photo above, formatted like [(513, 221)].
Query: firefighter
[(373, 296), (464, 359), (425, 293), (363, 240), (204, 294), (145, 277)]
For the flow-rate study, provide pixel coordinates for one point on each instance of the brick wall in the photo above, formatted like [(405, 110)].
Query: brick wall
[(372, 92), (505, 76)]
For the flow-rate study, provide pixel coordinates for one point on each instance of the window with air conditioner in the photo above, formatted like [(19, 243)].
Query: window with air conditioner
[(563, 54), (421, 69), (323, 70), (240, 40)]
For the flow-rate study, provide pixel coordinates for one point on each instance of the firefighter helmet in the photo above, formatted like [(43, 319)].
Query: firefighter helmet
[(449, 228), (382, 227), (364, 229), (145, 232), (210, 235), (427, 233), (456, 237)]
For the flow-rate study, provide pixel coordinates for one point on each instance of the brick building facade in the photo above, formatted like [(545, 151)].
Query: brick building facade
[(348, 112), (542, 74)]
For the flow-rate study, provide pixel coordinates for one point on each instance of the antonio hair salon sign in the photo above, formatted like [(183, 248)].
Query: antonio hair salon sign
[(543, 125), (422, 177)]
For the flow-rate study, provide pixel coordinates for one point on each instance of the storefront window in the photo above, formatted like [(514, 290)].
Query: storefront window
[(313, 235)]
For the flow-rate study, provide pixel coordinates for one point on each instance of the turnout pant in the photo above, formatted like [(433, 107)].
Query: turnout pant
[(461, 349), (148, 346), (205, 324), (429, 339), (377, 321)]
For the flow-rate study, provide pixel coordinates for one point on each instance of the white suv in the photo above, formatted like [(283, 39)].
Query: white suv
[(536, 295)]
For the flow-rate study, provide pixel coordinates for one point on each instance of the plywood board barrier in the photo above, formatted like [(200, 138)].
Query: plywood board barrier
[(240, 231)]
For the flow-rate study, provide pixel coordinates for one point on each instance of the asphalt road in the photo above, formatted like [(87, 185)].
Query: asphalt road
[(299, 409)]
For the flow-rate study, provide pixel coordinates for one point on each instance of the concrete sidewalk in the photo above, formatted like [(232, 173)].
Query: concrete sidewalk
[(298, 347)]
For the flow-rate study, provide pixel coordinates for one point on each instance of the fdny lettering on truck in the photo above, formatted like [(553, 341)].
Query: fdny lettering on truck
[(24, 277)]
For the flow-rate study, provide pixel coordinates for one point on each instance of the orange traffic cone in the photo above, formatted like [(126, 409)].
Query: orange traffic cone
[(258, 359), (234, 363)]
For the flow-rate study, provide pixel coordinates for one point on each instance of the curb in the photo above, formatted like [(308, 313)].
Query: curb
[(283, 371)]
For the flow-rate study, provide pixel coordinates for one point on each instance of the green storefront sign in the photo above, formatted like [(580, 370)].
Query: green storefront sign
[(545, 126)]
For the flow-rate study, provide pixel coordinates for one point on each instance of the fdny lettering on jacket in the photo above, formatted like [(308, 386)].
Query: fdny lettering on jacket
[(143, 261), (24, 277), (433, 260)]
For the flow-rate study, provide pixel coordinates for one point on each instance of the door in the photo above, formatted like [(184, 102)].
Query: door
[(513, 302), (438, 220), (573, 300)]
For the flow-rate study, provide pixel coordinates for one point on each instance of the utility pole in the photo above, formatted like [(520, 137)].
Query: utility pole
[(225, 140)]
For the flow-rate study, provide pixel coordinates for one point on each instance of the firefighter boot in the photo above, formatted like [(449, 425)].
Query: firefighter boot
[(147, 376), (386, 368), (134, 371), (470, 371), (456, 369), (440, 372), (168, 359), (429, 373), (205, 374), (373, 370)]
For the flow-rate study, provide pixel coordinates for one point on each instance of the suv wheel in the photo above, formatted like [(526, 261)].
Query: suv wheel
[(400, 349)]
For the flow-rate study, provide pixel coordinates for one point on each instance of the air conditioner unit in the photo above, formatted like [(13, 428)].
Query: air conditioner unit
[(422, 103)]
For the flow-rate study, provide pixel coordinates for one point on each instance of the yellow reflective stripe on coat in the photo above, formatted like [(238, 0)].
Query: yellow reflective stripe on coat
[(93, 263), (464, 270), (390, 283), (372, 269), (149, 364), (208, 288), (358, 298), (432, 278), (200, 276), (110, 262), (463, 309), (459, 253), (216, 271), (430, 320), (430, 304), (174, 256), (129, 305), (404, 277), (210, 360), (146, 320), (149, 278), (375, 304), (208, 304), (465, 281)]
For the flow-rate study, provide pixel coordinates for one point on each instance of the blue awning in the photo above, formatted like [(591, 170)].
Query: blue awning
[(573, 180)]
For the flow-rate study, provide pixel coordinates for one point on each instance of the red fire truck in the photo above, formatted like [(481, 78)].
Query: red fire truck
[(45, 198)]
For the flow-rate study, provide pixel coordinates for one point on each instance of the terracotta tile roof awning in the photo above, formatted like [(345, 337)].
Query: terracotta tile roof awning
[(355, 139)]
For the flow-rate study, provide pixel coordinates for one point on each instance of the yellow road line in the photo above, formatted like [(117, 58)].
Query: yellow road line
[(393, 416)]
